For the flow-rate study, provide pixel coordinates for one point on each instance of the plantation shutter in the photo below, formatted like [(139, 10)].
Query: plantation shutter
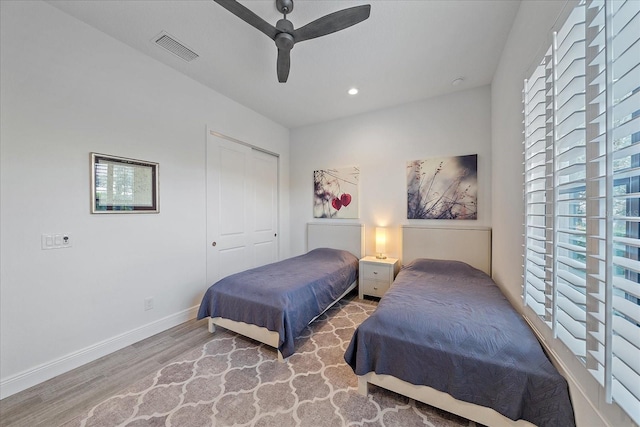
[(555, 186), (582, 193), (569, 182), (614, 133), (536, 164)]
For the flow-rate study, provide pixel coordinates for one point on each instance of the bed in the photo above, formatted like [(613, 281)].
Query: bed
[(445, 335), (274, 303)]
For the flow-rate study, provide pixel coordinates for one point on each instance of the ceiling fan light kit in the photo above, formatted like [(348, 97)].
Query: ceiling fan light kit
[(285, 36)]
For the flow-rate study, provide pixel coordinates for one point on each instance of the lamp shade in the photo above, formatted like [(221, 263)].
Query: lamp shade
[(381, 240)]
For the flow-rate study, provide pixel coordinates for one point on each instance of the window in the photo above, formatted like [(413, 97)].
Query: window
[(582, 193)]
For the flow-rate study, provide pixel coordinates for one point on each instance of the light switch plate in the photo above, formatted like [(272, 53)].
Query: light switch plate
[(56, 241)]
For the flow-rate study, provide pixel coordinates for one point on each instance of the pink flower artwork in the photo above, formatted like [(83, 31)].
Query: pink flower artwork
[(335, 193)]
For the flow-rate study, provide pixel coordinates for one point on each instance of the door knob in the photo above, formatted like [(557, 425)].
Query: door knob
[(213, 244)]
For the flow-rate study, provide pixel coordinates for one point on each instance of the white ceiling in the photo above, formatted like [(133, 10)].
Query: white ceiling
[(406, 51)]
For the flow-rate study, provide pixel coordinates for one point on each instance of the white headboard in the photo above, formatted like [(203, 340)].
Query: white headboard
[(467, 244), (348, 237)]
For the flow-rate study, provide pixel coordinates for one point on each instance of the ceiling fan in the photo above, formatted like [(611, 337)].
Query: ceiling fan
[(285, 36)]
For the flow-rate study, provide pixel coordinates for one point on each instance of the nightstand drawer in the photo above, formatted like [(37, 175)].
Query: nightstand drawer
[(375, 288), (377, 272)]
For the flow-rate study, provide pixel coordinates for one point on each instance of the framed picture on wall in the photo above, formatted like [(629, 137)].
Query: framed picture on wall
[(335, 193), (122, 185), (443, 188)]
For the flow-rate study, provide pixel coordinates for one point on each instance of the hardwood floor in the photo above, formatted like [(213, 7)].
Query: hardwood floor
[(66, 396), (71, 394)]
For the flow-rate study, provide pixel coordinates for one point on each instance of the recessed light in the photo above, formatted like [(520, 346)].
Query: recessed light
[(457, 81), (353, 91)]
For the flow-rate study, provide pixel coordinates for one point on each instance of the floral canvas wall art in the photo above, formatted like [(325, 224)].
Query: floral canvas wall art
[(335, 193), (443, 188)]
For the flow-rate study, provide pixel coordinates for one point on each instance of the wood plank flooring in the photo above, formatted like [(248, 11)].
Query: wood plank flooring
[(71, 394)]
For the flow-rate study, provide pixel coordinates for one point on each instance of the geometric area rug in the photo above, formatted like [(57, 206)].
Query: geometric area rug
[(235, 381)]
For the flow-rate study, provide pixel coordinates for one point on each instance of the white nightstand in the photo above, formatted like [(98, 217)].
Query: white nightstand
[(376, 275)]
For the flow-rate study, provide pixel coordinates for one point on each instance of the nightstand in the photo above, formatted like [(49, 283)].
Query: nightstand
[(376, 275)]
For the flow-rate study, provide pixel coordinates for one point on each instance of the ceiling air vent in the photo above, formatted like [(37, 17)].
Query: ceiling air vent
[(174, 46)]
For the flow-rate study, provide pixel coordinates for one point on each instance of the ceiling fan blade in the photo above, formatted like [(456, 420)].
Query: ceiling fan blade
[(333, 22), (249, 17), (284, 63)]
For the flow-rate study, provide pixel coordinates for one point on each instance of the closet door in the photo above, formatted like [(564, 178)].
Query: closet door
[(242, 207), (264, 171)]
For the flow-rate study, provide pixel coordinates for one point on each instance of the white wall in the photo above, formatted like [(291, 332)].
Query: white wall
[(381, 143), (529, 36), (68, 90)]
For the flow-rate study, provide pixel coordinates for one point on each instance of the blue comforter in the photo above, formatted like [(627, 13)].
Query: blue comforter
[(283, 296), (448, 326)]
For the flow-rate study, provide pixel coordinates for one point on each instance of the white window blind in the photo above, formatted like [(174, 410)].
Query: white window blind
[(582, 193)]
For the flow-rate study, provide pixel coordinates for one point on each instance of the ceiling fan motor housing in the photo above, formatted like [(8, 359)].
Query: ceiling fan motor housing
[(284, 39)]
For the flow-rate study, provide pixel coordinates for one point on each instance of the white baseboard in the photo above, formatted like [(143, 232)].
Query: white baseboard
[(46, 371)]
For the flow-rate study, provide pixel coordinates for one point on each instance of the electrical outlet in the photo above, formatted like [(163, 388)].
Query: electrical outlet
[(148, 303)]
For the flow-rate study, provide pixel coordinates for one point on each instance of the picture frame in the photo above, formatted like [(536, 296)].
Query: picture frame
[(123, 185), (335, 193), (443, 188)]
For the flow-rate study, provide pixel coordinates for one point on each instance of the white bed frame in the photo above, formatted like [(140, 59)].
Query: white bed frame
[(349, 237), (473, 246)]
